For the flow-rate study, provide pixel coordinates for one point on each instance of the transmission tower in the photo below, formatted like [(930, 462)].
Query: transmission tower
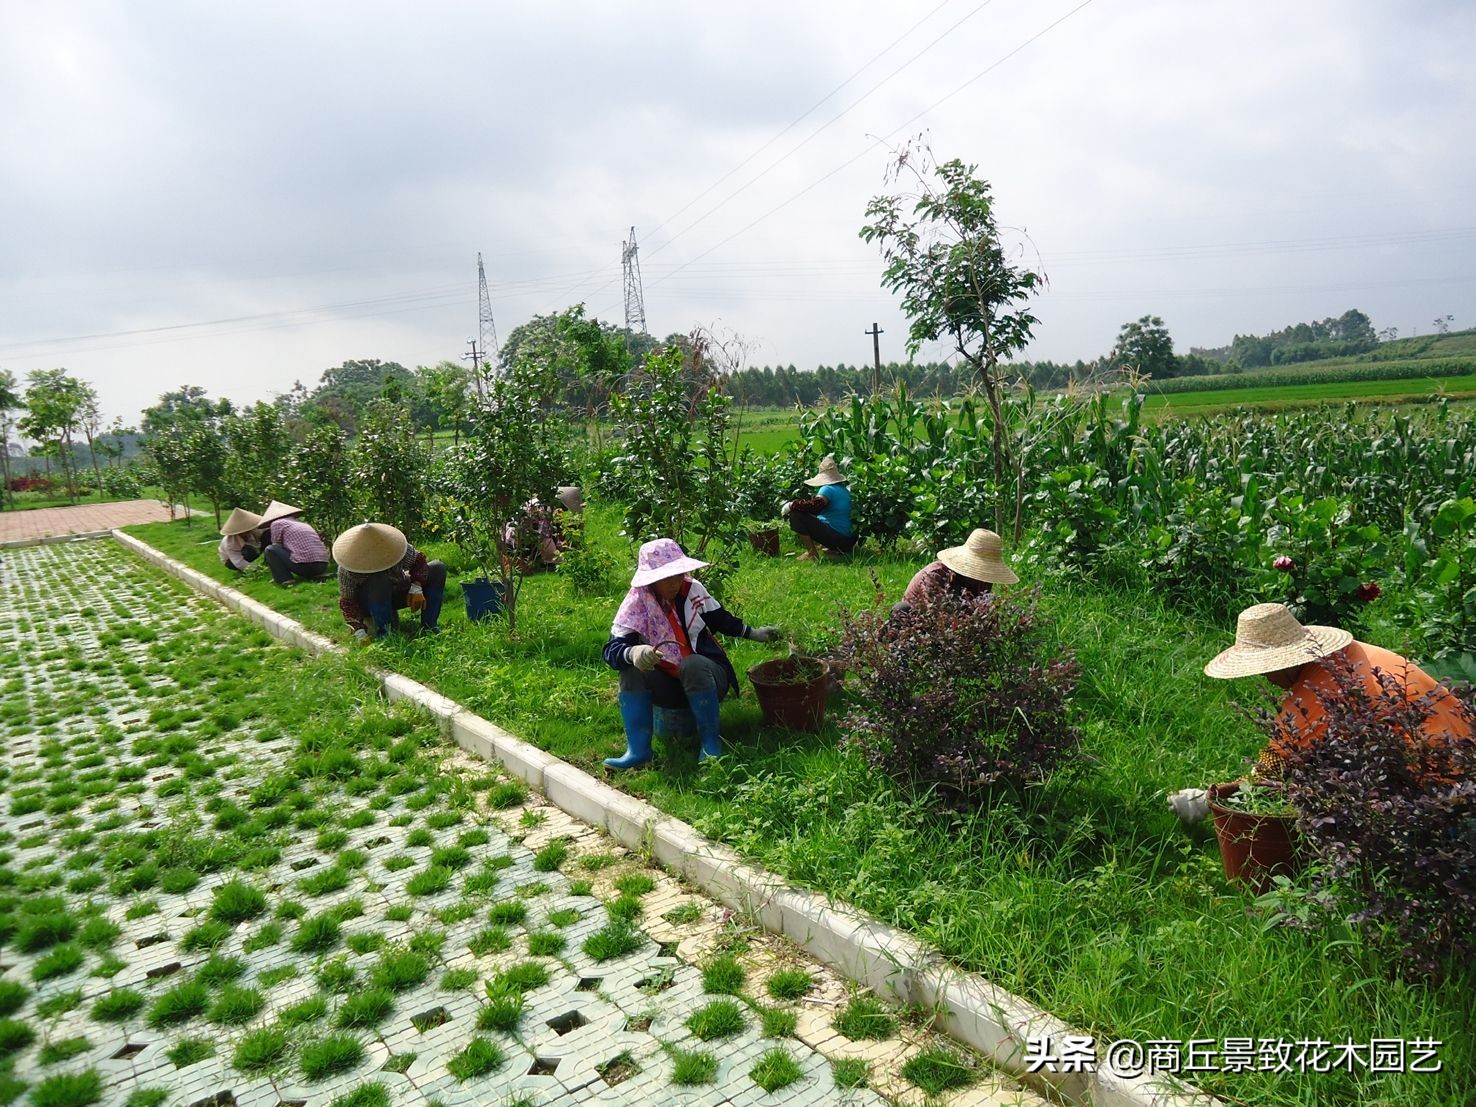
[(486, 328), (635, 300)]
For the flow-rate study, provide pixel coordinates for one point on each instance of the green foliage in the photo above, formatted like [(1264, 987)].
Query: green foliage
[(936, 1071), (319, 480), (789, 983), (1145, 347), (615, 939), (118, 1005), (68, 1089), (179, 1004), (721, 1018), (236, 902), (850, 1072), (723, 976), (480, 1057), (330, 1055), (692, 1067), (389, 465), (367, 1008), (189, 1051), (260, 1049), (235, 1005), (865, 1017), (774, 1070)]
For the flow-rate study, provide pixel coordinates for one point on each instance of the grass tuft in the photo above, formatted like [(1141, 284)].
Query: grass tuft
[(721, 1018), (480, 1057), (936, 1071), (774, 1070), (692, 1067), (330, 1056)]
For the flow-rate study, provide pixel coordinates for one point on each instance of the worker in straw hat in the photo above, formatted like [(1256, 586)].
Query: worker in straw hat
[(296, 550), (824, 519), (380, 573), (240, 544), (972, 569), (662, 645), (1302, 661)]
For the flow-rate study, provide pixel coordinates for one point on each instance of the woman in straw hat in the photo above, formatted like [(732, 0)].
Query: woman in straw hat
[(972, 569), (240, 544), (662, 644), (379, 573), (1269, 641), (823, 519), (296, 550)]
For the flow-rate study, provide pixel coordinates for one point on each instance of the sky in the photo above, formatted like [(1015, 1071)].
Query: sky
[(240, 196)]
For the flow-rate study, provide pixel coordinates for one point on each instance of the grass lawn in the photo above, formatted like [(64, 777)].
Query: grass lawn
[(1083, 895), (26, 501)]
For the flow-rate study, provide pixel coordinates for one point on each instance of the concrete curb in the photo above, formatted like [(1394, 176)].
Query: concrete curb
[(892, 963), (53, 539)]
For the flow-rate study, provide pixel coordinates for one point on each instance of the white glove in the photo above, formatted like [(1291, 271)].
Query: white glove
[(784, 511), (762, 634), (643, 657), (416, 590), (1190, 804), (361, 635)]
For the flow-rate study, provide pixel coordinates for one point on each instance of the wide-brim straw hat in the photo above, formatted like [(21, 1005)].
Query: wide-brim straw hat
[(829, 474), (661, 558), (240, 522), (1268, 638), (278, 510), (980, 558), (369, 548)]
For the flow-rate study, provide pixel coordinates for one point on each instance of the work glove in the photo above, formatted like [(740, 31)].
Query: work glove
[(784, 511), (1190, 804), (644, 657), (416, 600), (761, 634), (361, 636)]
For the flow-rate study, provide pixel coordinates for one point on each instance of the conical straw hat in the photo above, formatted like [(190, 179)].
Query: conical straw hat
[(369, 548), (240, 522), (1268, 638), (278, 510), (829, 474), (980, 558)]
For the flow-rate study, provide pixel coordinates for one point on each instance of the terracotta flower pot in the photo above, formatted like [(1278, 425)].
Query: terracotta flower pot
[(765, 542), (791, 691), (1254, 848)]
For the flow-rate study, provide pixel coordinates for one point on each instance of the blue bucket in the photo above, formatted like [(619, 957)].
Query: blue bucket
[(674, 722), (483, 597)]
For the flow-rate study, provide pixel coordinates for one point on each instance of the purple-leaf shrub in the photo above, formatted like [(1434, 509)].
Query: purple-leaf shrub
[(959, 694), (1391, 811)]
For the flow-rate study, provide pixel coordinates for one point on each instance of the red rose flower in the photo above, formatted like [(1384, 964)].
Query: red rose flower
[(1283, 564)]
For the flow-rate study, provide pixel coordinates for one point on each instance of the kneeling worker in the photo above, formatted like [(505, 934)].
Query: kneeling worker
[(379, 573), (240, 545)]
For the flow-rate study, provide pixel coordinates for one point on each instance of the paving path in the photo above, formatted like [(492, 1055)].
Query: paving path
[(230, 875), (50, 522)]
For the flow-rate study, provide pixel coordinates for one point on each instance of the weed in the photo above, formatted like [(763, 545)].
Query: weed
[(119, 1004), (686, 913), (635, 884), (328, 1056), (268, 936), (625, 908), (235, 1005), (531, 818), (452, 857), (142, 909), (399, 970), (492, 939), (189, 1051), (337, 976), (522, 977), (147, 1097), (473, 838), (399, 861), (508, 913), (777, 1022), (723, 976), (60, 961), (508, 793), (68, 1089), (369, 1008), (581, 888), (457, 980), (850, 1072), (551, 856), (335, 878), (400, 1062), (480, 1057), (615, 939), (316, 934), (236, 902), (429, 882), (179, 1004), (178, 881), (774, 1070), (260, 1049), (366, 941), (400, 912), (865, 1017), (220, 969), (789, 983), (504, 1011), (44, 931), (59, 1004), (936, 1071), (63, 1049), (546, 943), (99, 933), (272, 977), (722, 1018), (419, 837), (305, 1011)]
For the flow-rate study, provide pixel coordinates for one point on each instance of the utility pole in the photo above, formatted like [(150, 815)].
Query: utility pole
[(475, 357), (635, 299), (876, 332)]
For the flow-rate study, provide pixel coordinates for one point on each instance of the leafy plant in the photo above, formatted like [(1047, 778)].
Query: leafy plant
[(959, 694)]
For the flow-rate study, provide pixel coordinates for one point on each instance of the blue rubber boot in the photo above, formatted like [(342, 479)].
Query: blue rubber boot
[(704, 707), (430, 614), (382, 615), (635, 713)]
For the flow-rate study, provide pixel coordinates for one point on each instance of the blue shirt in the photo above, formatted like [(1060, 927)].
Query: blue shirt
[(838, 515)]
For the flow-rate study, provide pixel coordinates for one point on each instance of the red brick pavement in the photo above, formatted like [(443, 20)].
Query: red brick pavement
[(47, 522)]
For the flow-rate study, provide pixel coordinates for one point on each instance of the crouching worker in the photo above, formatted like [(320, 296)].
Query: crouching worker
[(380, 573), (296, 550), (970, 570), (1269, 641), (662, 644), (823, 520), (240, 545)]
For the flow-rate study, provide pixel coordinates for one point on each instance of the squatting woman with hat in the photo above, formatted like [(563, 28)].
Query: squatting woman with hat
[(662, 645), (296, 550), (240, 545), (972, 569), (380, 573), (824, 519)]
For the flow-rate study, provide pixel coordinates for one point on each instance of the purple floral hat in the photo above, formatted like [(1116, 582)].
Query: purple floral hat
[(661, 558)]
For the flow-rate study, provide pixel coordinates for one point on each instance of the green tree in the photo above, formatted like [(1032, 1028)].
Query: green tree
[(447, 388), (1145, 347), (54, 401), (389, 467), (944, 255), (205, 464), (319, 479), (10, 403), (346, 391), (257, 449), (89, 419), (186, 405), (169, 451)]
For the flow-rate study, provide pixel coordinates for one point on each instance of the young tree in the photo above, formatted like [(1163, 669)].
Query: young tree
[(168, 448), (10, 403), (389, 466), (1145, 347), (54, 402), (205, 465), (257, 449), (945, 256), (89, 418), (319, 480), (187, 405)]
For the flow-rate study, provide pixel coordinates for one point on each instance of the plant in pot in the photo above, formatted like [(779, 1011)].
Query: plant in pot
[(1255, 823), (791, 691), (763, 535), (959, 694)]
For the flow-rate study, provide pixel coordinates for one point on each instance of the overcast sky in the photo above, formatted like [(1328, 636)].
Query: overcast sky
[(240, 196)]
